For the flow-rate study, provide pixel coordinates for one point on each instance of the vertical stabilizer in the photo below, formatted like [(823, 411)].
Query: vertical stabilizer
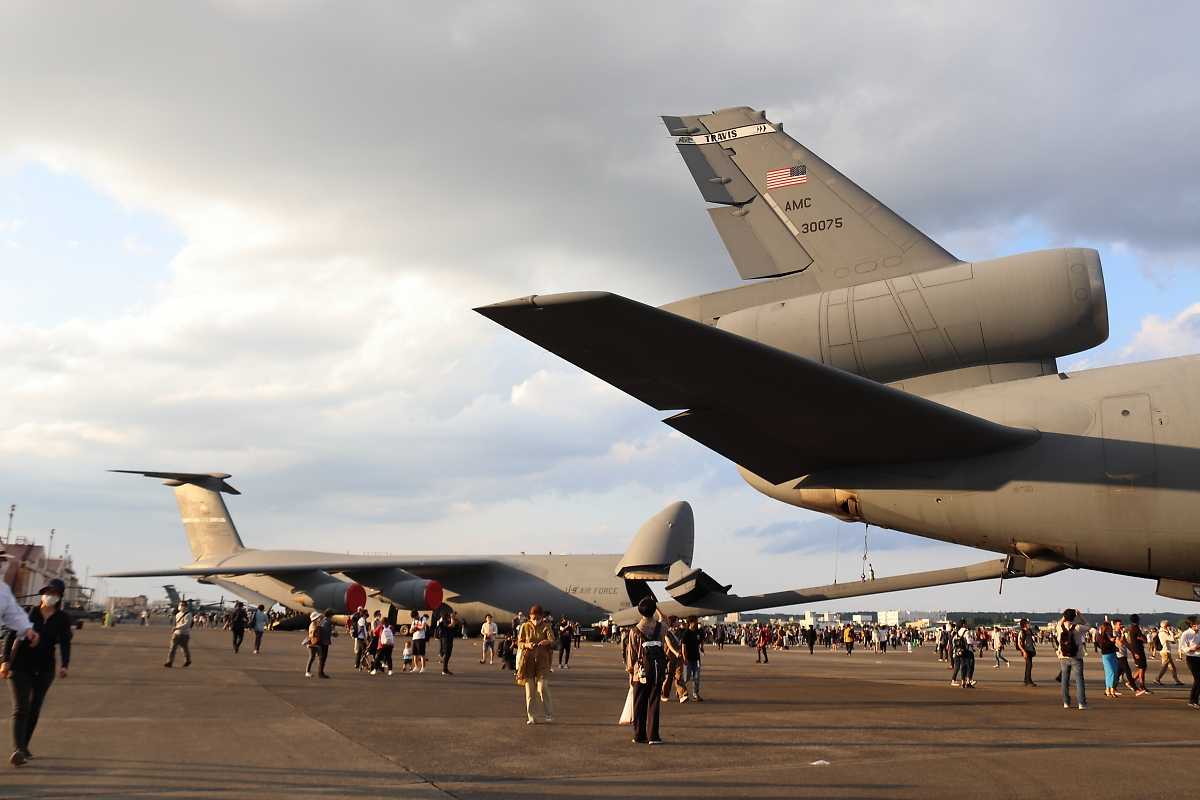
[(206, 521)]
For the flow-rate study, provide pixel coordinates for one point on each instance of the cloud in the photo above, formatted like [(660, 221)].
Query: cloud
[(1160, 338)]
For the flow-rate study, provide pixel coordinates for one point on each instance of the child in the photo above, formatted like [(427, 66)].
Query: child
[(406, 658)]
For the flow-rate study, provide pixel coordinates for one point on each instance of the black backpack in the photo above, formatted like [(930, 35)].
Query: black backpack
[(1066, 642)]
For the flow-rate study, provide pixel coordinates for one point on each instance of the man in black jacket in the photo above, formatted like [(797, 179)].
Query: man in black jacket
[(30, 668)]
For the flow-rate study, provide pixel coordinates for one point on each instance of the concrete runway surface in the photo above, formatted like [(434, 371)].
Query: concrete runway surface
[(889, 726)]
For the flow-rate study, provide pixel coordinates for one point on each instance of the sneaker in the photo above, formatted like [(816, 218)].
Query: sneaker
[(1066, 705), (656, 741), (1083, 706), (323, 675), (17, 758), (683, 699), (638, 741), (373, 672), (308, 674), (168, 665), (25, 752), (187, 663), (421, 670), (955, 683), (1140, 692), (548, 720), (530, 721), (389, 673), (1193, 705)]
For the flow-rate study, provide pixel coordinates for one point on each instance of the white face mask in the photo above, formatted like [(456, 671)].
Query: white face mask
[(51, 599)]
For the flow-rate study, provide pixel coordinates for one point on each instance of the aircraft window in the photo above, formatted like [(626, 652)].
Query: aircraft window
[(1124, 412)]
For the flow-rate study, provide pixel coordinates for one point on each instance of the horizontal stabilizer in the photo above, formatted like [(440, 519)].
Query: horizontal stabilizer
[(776, 414), (716, 604), (207, 480)]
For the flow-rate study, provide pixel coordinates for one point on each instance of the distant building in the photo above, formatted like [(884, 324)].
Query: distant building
[(26, 567)]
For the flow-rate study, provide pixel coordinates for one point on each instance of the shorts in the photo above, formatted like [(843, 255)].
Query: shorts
[(418, 647), (1139, 660), (489, 644)]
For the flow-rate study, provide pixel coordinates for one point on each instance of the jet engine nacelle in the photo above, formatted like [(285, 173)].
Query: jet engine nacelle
[(667, 537), (413, 593), (342, 597), (1032, 307)]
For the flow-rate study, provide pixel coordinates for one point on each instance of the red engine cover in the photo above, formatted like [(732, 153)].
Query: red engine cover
[(433, 595), (356, 596)]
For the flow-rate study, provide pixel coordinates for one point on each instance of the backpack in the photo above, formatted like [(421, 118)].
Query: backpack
[(648, 654), (960, 647), (1066, 642), (314, 634)]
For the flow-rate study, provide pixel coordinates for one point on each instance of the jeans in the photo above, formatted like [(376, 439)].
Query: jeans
[(1194, 666), (238, 635), (317, 653), (29, 692), (257, 640), (447, 651), (1067, 666), (968, 667), (1110, 670), (1028, 669), (691, 674)]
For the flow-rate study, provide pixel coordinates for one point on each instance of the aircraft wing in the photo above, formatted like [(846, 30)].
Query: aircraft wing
[(423, 567), (716, 602), (778, 415)]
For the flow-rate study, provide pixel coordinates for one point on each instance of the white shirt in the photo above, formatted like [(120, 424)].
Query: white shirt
[(1187, 641), (488, 630), (418, 630), (386, 636), (12, 616)]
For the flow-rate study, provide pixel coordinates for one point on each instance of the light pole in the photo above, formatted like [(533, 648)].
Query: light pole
[(11, 510)]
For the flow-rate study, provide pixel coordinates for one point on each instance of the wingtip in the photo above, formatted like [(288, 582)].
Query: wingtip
[(540, 301)]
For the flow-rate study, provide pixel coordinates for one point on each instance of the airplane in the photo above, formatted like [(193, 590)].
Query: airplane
[(866, 373), (587, 588), (174, 598)]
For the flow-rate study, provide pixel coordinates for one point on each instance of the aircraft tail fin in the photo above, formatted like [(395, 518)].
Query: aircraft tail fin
[(206, 520), (172, 595), (785, 210)]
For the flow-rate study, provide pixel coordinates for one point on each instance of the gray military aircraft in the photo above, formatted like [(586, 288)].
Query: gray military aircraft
[(868, 374), (584, 588)]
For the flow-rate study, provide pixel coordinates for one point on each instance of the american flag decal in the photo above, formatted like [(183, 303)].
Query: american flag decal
[(786, 176)]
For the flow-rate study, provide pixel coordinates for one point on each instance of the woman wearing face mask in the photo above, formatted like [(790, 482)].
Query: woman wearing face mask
[(30, 669)]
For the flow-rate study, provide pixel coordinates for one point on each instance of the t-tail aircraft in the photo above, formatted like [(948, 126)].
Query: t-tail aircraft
[(585, 588), (866, 373)]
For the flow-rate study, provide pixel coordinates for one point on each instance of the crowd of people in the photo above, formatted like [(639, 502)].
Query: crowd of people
[(662, 655)]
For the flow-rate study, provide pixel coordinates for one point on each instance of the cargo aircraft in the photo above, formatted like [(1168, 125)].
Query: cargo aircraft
[(864, 372)]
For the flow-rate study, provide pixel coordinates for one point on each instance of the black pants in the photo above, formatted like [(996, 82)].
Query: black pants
[(1028, 669), (564, 652), (1194, 665), (257, 640), (238, 635), (447, 651), (383, 658), (1123, 671), (968, 667), (647, 698), (811, 645), (761, 655), (29, 692), (320, 652)]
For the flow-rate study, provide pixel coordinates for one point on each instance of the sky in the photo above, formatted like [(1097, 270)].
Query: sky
[(246, 237)]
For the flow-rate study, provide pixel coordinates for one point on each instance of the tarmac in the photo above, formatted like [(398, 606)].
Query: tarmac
[(823, 725)]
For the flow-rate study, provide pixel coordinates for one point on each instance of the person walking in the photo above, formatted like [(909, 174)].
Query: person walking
[(1166, 643), (566, 638), (383, 653), (848, 638), (692, 640), (447, 629), (181, 635), (320, 636), (810, 638), (29, 663), (1123, 670), (998, 642), (1136, 644), (1071, 639), (258, 621), (1189, 651), (488, 632), (1106, 643), (237, 624), (419, 630), (1027, 644), (646, 665), (535, 639), (964, 655)]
